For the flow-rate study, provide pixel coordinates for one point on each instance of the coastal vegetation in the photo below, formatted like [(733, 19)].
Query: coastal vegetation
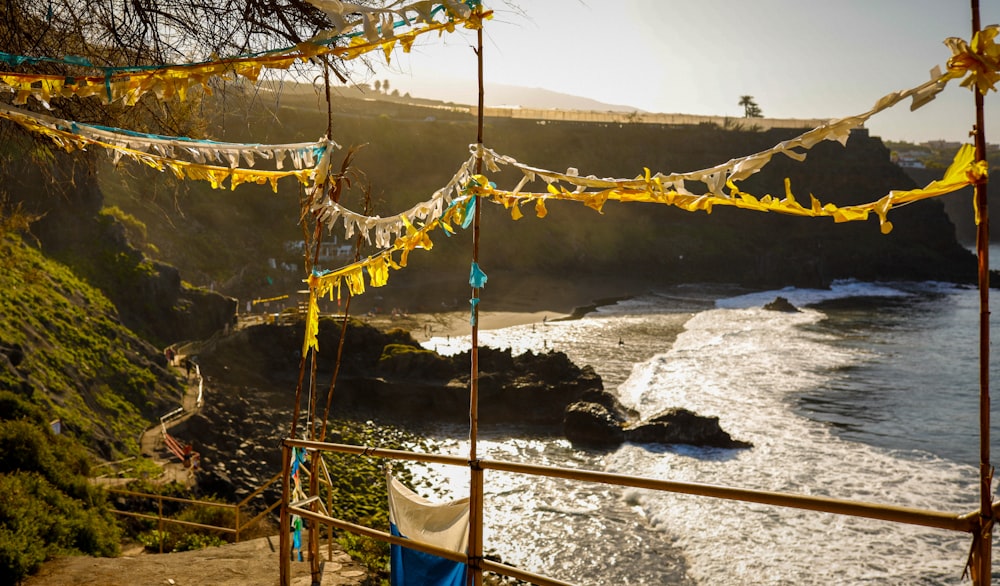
[(65, 352), (75, 386), (49, 507)]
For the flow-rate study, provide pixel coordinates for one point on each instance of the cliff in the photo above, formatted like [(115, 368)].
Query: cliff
[(237, 240), (74, 228)]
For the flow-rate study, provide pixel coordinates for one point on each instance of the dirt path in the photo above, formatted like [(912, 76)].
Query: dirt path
[(248, 563), (151, 442)]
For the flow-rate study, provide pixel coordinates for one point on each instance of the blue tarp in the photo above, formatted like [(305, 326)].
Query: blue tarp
[(444, 525)]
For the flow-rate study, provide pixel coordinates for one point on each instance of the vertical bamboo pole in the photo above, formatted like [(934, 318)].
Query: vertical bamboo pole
[(329, 509), (159, 520), (475, 573), (285, 540), (313, 524), (983, 557)]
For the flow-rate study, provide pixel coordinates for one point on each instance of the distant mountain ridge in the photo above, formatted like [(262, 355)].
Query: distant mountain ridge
[(502, 95), (524, 97)]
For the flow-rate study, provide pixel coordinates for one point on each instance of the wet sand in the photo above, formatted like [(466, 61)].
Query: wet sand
[(424, 326), (508, 300)]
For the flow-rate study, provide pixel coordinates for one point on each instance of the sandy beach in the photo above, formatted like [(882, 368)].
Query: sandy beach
[(517, 301), (424, 326)]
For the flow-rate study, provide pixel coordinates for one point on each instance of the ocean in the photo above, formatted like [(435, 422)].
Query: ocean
[(869, 393)]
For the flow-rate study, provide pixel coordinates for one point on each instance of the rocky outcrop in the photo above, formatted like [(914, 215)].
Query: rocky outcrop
[(606, 424), (680, 426), (388, 376), (593, 424), (150, 296), (529, 389), (781, 304)]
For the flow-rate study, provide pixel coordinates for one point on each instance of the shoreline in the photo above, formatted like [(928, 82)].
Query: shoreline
[(424, 326)]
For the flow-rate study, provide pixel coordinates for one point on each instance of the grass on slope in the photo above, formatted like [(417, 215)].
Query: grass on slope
[(65, 351)]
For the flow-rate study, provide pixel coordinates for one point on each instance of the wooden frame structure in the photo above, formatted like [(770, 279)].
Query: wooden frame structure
[(978, 523)]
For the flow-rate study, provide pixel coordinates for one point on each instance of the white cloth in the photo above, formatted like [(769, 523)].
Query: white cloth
[(445, 525)]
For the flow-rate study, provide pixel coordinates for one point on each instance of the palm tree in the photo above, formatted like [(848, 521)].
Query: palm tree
[(750, 107)]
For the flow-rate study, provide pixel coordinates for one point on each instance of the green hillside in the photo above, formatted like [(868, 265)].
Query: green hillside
[(64, 351), (76, 387)]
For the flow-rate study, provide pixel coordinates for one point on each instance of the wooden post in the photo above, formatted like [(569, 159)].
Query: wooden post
[(313, 524), (475, 548), (159, 517), (285, 539), (982, 554)]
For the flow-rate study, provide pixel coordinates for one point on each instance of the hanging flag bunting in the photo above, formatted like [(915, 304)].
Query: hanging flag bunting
[(383, 232), (719, 180), (300, 155), (964, 170), (310, 161), (329, 283), (380, 22), (128, 84)]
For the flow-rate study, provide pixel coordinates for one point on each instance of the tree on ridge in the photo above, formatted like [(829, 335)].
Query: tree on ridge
[(750, 107)]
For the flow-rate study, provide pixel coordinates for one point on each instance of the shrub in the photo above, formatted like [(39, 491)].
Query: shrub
[(38, 521), (14, 406), (27, 447), (14, 219), (48, 507), (176, 537), (360, 494)]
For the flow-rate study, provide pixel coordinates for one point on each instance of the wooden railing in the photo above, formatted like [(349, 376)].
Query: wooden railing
[(307, 508), (240, 510)]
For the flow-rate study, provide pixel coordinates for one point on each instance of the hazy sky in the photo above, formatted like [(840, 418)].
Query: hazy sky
[(797, 58)]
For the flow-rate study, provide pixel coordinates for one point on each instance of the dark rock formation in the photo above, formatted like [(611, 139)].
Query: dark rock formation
[(530, 389), (607, 424), (781, 304), (593, 424), (387, 376), (680, 426)]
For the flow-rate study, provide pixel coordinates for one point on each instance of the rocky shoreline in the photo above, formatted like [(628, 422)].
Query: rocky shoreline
[(387, 378)]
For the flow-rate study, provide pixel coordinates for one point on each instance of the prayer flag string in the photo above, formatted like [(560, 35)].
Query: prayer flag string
[(963, 171), (79, 135), (216, 175), (128, 84), (973, 61), (660, 188)]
